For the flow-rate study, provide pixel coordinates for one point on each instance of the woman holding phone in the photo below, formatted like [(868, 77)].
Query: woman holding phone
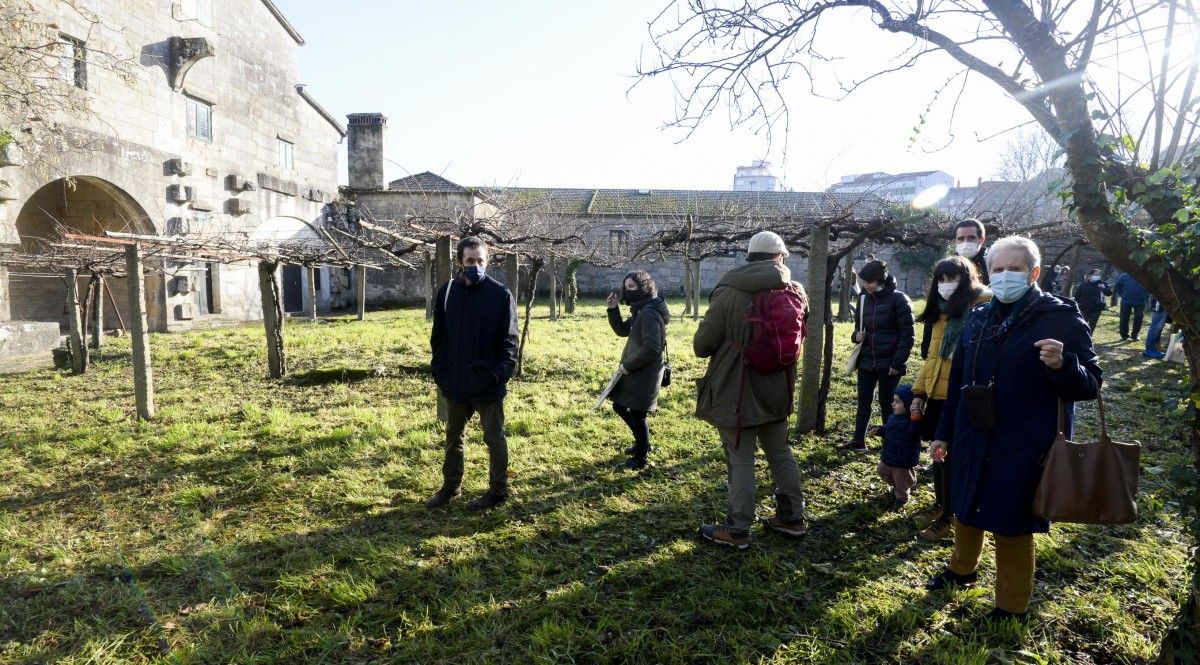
[(636, 393)]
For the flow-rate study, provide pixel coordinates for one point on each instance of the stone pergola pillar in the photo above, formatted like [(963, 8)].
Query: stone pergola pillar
[(97, 298), (312, 293), (143, 376), (360, 291), (810, 375), (512, 274), (75, 341), (552, 273)]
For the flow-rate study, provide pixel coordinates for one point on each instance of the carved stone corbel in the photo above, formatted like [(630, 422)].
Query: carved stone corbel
[(185, 52)]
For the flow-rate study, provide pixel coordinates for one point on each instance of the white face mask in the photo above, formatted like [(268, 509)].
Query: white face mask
[(966, 249), (947, 289), (1095, 278)]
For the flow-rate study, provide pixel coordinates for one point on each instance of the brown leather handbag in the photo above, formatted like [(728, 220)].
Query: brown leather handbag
[(1089, 483)]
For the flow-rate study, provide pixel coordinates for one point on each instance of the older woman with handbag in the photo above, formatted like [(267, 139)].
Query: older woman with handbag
[(642, 367), (1018, 357)]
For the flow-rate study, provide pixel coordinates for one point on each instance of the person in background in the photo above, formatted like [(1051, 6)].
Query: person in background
[(1090, 296), (749, 408), (1158, 320), (1020, 364), (901, 448), (954, 291), (1133, 304), (970, 242), (474, 343), (636, 393), (886, 331)]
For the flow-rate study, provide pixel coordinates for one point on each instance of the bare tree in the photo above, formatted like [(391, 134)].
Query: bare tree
[(1028, 154)]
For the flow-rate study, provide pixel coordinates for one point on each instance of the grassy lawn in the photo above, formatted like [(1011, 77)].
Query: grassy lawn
[(261, 522)]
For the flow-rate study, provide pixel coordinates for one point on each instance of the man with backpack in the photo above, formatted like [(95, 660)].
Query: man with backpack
[(751, 335)]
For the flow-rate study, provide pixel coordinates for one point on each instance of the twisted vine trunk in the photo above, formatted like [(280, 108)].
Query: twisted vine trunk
[(535, 267), (272, 307)]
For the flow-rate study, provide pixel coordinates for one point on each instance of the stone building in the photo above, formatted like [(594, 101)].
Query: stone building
[(611, 220), (207, 132)]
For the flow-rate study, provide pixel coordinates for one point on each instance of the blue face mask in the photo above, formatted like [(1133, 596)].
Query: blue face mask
[(474, 273), (1009, 286)]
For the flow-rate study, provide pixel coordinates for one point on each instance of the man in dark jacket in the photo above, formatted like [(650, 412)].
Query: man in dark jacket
[(749, 408), (970, 242), (1090, 297), (1025, 355), (886, 333), (474, 344), (1133, 302)]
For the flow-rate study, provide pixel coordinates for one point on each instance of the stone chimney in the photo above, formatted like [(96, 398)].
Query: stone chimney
[(364, 152)]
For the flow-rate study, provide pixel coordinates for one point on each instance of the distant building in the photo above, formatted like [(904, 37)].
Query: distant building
[(756, 178), (899, 187)]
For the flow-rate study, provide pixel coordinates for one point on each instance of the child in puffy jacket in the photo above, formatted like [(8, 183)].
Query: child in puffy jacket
[(901, 447)]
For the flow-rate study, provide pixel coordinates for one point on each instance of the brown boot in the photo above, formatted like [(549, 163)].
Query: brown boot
[(937, 530), (722, 535)]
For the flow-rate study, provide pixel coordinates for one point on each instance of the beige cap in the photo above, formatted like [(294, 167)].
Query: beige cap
[(767, 242)]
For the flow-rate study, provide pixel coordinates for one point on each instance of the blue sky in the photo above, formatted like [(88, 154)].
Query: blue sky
[(535, 93)]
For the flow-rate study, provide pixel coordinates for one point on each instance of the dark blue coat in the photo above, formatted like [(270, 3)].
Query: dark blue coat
[(901, 442), (994, 473), (474, 340), (1130, 291)]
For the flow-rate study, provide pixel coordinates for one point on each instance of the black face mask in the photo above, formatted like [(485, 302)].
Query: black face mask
[(634, 297)]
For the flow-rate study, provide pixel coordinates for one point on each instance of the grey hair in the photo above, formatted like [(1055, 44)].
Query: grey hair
[(1033, 255)]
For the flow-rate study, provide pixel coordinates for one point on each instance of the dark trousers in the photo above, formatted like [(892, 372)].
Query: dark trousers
[(1093, 317), (636, 420), (491, 417), (1138, 312), (867, 380), (941, 485)]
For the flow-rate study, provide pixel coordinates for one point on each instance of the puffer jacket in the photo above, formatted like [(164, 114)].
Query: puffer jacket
[(646, 333), (887, 318), (766, 397), (934, 377)]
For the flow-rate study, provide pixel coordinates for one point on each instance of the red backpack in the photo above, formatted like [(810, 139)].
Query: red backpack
[(778, 321)]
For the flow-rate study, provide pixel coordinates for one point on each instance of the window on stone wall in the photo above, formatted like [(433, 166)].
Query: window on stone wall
[(73, 61), (617, 241), (287, 155), (204, 11), (199, 119)]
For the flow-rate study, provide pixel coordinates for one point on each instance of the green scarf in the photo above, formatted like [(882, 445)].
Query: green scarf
[(951, 333)]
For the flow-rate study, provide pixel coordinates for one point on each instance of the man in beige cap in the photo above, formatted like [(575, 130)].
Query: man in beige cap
[(750, 407)]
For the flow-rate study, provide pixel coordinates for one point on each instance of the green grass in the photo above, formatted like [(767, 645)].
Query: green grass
[(255, 522)]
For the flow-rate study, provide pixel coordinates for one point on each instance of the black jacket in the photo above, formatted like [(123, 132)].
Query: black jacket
[(646, 333), (888, 323), (474, 340), (981, 264), (1090, 296)]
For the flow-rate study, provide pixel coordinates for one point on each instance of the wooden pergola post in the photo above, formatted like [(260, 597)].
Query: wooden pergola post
[(98, 317), (553, 274), (428, 288), (311, 270), (75, 341), (360, 291), (268, 287), (512, 274), (442, 270), (810, 375), (143, 375)]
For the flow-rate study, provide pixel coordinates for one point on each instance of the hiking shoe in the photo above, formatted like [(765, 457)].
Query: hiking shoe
[(789, 529), (927, 517), (719, 534), (997, 615), (937, 530), (853, 447), (948, 578), (443, 496), (487, 500)]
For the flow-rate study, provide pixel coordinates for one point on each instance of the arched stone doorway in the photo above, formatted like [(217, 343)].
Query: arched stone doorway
[(90, 205)]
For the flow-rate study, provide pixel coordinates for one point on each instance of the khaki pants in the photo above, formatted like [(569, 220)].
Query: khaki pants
[(491, 416), (789, 498), (1014, 564)]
